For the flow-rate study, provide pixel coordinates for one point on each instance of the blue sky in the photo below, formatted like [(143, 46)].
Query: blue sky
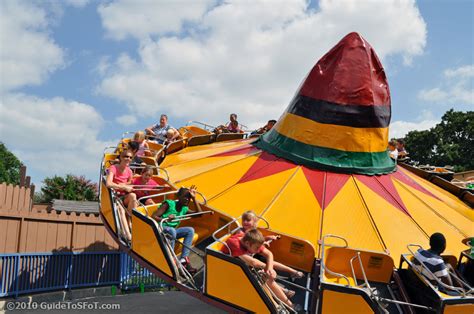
[(76, 74)]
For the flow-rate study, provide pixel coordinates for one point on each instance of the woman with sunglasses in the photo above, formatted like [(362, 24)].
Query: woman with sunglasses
[(119, 178)]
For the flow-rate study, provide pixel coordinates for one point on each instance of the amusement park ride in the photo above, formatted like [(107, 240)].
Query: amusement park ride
[(347, 216)]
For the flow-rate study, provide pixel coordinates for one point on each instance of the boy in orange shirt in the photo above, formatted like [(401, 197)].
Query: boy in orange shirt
[(243, 246)]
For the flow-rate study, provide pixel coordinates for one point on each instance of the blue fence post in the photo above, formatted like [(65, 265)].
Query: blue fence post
[(122, 268), (17, 281)]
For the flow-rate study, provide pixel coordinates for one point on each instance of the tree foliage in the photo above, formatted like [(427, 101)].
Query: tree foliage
[(74, 188), (9, 166), (451, 142)]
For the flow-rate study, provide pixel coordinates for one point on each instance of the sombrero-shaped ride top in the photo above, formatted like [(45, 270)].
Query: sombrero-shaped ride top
[(339, 118), (324, 168)]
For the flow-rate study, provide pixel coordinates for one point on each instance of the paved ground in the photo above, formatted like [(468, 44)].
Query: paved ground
[(150, 302)]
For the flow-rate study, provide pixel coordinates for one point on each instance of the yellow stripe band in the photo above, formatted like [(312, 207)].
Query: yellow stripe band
[(345, 138)]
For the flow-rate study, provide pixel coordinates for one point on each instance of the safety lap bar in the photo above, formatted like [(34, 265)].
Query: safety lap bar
[(184, 217), (162, 194), (140, 166), (323, 266), (366, 282)]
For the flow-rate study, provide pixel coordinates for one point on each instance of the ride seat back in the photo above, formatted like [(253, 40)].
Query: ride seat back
[(175, 146), (378, 267), (109, 159), (229, 136), (191, 130), (200, 139)]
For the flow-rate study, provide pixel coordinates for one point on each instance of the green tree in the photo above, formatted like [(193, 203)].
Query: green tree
[(9, 166), (70, 187), (451, 142)]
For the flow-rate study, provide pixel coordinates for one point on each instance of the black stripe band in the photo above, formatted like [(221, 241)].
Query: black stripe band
[(332, 113)]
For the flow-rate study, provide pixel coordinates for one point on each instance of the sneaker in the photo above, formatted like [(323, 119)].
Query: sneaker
[(187, 264)]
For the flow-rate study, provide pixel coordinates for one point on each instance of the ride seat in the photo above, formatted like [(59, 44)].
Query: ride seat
[(378, 267)]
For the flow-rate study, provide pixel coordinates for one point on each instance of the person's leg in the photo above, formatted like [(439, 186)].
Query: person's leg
[(131, 202), (172, 232), (188, 234), (282, 267), (124, 222), (278, 291)]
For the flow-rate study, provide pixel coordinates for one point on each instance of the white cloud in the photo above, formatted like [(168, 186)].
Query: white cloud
[(28, 54), (143, 18), (466, 71), (457, 87), (77, 3), (126, 120), (399, 129), (52, 136), (243, 57)]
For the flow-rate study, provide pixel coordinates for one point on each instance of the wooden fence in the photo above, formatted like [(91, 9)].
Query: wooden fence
[(25, 227)]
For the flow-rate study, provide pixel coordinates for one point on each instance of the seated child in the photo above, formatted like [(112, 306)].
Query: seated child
[(243, 246), (133, 147), (231, 127), (143, 148), (172, 135), (249, 221), (172, 209), (146, 185), (392, 149)]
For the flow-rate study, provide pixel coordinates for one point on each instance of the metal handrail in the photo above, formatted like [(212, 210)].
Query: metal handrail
[(200, 123), (461, 291), (214, 234), (158, 169), (323, 266), (164, 194)]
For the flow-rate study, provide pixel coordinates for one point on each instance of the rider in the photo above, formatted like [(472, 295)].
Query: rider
[(171, 209)]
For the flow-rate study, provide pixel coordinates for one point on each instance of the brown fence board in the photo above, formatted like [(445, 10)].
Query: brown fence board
[(16, 198), (3, 234), (31, 236), (3, 196), (9, 198), (13, 229)]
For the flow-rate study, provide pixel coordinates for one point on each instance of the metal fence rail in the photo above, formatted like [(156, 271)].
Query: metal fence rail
[(23, 273)]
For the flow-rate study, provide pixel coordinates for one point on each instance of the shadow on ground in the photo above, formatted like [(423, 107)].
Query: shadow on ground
[(150, 302)]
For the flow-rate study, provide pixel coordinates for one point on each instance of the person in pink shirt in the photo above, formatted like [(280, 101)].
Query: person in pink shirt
[(145, 185), (233, 125), (119, 178)]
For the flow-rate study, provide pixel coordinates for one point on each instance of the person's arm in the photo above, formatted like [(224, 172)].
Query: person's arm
[(269, 258), (149, 130), (192, 191), (252, 262), (160, 211)]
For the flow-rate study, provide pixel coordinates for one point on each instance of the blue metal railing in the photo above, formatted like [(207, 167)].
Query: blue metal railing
[(133, 275), (24, 273)]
